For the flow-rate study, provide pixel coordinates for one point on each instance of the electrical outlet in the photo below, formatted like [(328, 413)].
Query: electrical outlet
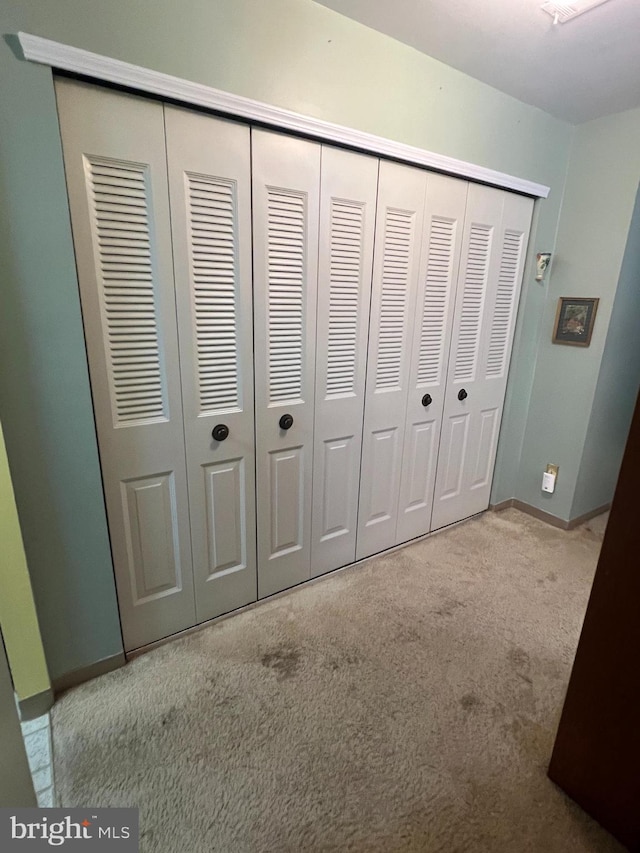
[(549, 479)]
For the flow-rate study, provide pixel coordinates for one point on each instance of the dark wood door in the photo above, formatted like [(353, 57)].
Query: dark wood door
[(596, 757)]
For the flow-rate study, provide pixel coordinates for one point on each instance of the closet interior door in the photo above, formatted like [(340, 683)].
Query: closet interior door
[(115, 162), (441, 246), (210, 190), (347, 222), (286, 191), (495, 242), (401, 198)]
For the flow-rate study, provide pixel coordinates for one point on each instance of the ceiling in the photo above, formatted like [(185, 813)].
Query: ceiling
[(577, 71)]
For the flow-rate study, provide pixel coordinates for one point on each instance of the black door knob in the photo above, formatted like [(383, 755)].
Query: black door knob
[(426, 400), (286, 422), (220, 432), (462, 394)]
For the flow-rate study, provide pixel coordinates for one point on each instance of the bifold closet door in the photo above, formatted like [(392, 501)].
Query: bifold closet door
[(445, 204), (210, 190), (347, 222), (495, 242), (115, 162), (286, 191), (396, 268)]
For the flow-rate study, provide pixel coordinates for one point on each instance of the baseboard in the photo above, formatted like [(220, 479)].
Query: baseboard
[(35, 706), (541, 514), (86, 673), (586, 516), (502, 505), (548, 517)]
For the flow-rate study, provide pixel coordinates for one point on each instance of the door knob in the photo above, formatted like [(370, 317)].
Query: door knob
[(462, 394), (426, 400), (220, 432), (286, 422)]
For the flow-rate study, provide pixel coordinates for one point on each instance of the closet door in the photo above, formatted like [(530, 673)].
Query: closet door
[(441, 246), (286, 189), (495, 242), (115, 161), (347, 222), (210, 190), (401, 196)]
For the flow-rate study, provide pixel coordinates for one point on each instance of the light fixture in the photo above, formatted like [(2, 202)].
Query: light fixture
[(563, 12)]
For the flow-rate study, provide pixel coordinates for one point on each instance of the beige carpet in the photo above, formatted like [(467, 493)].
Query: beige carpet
[(409, 704)]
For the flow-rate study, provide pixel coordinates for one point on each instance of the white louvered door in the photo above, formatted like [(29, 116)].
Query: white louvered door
[(210, 190), (356, 403), (441, 244), (115, 163), (347, 221), (286, 189), (401, 196), (495, 242)]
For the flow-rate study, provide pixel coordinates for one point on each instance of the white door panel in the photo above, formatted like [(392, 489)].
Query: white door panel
[(149, 506), (347, 223), (210, 189), (452, 454), (379, 501), (401, 196), (445, 205), (287, 482), (496, 234), (226, 513), (115, 163), (419, 452), (286, 191), (481, 467), (336, 479)]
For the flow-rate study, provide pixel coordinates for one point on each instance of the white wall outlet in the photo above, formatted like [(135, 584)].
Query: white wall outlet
[(549, 478), (548, 482)]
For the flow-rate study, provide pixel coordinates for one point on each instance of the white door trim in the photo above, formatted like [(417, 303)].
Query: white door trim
[(76, 60)]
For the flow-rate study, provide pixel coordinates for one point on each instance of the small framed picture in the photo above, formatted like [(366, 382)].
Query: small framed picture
[(574, 321)]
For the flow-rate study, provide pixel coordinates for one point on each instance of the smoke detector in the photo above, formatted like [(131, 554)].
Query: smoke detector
[(563, 12)]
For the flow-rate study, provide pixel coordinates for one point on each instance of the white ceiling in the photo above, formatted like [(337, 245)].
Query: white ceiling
[(577, 71)]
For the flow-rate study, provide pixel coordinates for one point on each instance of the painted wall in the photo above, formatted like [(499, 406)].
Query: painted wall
[(44, 388), (617, 386), (291, 53), (16, 786), (600, 194), (18, 621)]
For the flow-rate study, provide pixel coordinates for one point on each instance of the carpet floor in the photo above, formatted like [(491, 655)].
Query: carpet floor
[(407, 704)]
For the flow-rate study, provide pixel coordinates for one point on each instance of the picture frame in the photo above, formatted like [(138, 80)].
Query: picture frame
[(574, 321)]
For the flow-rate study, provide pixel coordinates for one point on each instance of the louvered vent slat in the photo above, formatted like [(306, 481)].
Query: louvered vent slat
[(505, 303), (397, 245), (214, 283), (347, 236), (475, 286), (119, 195), (436, 296), (286, 267)]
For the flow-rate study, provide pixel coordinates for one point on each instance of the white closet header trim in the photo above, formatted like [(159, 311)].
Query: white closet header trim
[(76, 60)]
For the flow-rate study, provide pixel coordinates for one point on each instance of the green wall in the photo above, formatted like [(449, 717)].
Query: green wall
[(600, 194), (18, 621), (291, 53), (617, 386)]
